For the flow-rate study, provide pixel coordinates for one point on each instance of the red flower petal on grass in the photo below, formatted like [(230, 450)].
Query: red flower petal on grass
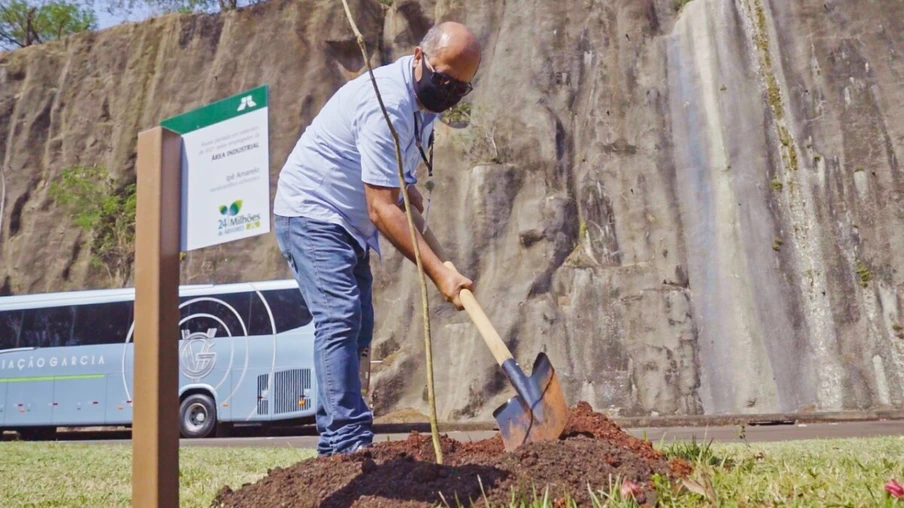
[(630, 489), (895, 489)]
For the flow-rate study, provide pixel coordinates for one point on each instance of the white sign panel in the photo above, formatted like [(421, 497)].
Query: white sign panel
[(225, 170)]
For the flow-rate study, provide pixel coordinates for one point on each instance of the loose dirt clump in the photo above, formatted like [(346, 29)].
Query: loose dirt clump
[(591, 452)]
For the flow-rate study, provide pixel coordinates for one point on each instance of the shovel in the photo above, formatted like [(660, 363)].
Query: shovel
[(538, 412)]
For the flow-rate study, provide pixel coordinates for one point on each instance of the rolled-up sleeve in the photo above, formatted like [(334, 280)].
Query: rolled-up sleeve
[(376, 146)]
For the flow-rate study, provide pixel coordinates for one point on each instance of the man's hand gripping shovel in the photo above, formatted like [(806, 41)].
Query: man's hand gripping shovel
[(538, 412)]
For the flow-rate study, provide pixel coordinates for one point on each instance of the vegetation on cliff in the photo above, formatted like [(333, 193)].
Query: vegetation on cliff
[(105, 210)]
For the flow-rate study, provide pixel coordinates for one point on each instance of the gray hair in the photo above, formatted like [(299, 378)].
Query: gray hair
[(434, 40)]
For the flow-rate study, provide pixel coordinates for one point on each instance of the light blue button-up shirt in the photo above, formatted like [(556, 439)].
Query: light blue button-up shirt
[(349, 144)]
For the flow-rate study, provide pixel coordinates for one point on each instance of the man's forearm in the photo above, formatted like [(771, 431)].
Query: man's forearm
[(392, 222)]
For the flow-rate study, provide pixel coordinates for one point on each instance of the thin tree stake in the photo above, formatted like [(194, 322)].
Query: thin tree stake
[(417, 252), (2, 199)]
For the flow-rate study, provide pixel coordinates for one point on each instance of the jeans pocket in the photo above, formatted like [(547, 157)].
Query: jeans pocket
[(282, 232)]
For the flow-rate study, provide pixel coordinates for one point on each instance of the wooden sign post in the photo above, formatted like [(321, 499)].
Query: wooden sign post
[(203, 180), (155, 426)]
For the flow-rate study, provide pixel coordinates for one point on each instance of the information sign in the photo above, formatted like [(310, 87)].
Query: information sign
[(225, 169)]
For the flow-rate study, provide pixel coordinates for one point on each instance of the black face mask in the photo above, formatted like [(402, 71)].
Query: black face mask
[(433, 94)]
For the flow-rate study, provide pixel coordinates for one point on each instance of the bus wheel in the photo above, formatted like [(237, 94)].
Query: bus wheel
[(197, 416)]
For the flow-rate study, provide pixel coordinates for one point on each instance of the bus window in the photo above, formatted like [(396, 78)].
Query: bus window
[(10, 329), (289, 309), (258, 318), (49, 327), (228, 313), (101, 323)]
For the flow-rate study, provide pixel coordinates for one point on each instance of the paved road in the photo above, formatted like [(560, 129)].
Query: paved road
[(304, 438)]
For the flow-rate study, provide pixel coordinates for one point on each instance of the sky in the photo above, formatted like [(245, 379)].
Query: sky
[(105, 20)]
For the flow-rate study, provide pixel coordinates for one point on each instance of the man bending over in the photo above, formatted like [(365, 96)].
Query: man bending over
[(339, 190)]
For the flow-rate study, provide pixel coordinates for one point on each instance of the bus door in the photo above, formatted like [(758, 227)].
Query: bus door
[(253, 396), (253, 384), (292, 383)]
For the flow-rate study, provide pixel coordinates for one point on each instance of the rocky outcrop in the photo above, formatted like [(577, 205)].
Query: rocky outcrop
[(691, 207), (84, 100)]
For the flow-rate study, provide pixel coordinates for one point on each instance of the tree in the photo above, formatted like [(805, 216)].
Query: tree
[(159, 7), (27, 22), (105, 210)]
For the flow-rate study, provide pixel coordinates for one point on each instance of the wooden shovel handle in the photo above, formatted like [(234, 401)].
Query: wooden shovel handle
[(494, 342)]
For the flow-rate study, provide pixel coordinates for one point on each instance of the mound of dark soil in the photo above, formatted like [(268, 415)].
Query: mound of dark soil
[(592, 451)]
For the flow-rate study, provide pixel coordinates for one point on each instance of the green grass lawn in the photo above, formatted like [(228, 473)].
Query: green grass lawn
[(849, 472), (843, 472), (85, 475)]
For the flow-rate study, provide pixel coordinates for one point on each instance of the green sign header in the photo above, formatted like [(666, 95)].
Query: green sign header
[(216, 112)]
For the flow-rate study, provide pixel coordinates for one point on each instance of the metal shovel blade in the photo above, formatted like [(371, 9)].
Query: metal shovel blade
[(538, 412)]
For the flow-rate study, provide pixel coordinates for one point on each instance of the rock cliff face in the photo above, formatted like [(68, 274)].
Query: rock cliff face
[(691, 207)]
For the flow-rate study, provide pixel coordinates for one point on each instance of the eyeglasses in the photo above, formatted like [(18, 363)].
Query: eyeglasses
[(447, 82)]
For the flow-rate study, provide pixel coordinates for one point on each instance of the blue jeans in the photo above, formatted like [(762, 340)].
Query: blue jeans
[(334, 276)]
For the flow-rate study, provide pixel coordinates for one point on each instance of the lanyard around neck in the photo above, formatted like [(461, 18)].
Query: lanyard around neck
[(429, 163), (417, 140)]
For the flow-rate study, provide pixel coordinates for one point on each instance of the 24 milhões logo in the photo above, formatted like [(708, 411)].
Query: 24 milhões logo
[(233, 222)]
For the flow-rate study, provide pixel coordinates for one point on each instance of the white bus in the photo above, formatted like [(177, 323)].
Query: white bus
[(246, 354)]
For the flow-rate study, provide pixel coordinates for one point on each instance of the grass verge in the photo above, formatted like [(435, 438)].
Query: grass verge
[(838, 472), (843, 472), (49, 474)]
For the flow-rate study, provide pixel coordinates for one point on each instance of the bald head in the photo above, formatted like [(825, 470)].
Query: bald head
[(452, 49)]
